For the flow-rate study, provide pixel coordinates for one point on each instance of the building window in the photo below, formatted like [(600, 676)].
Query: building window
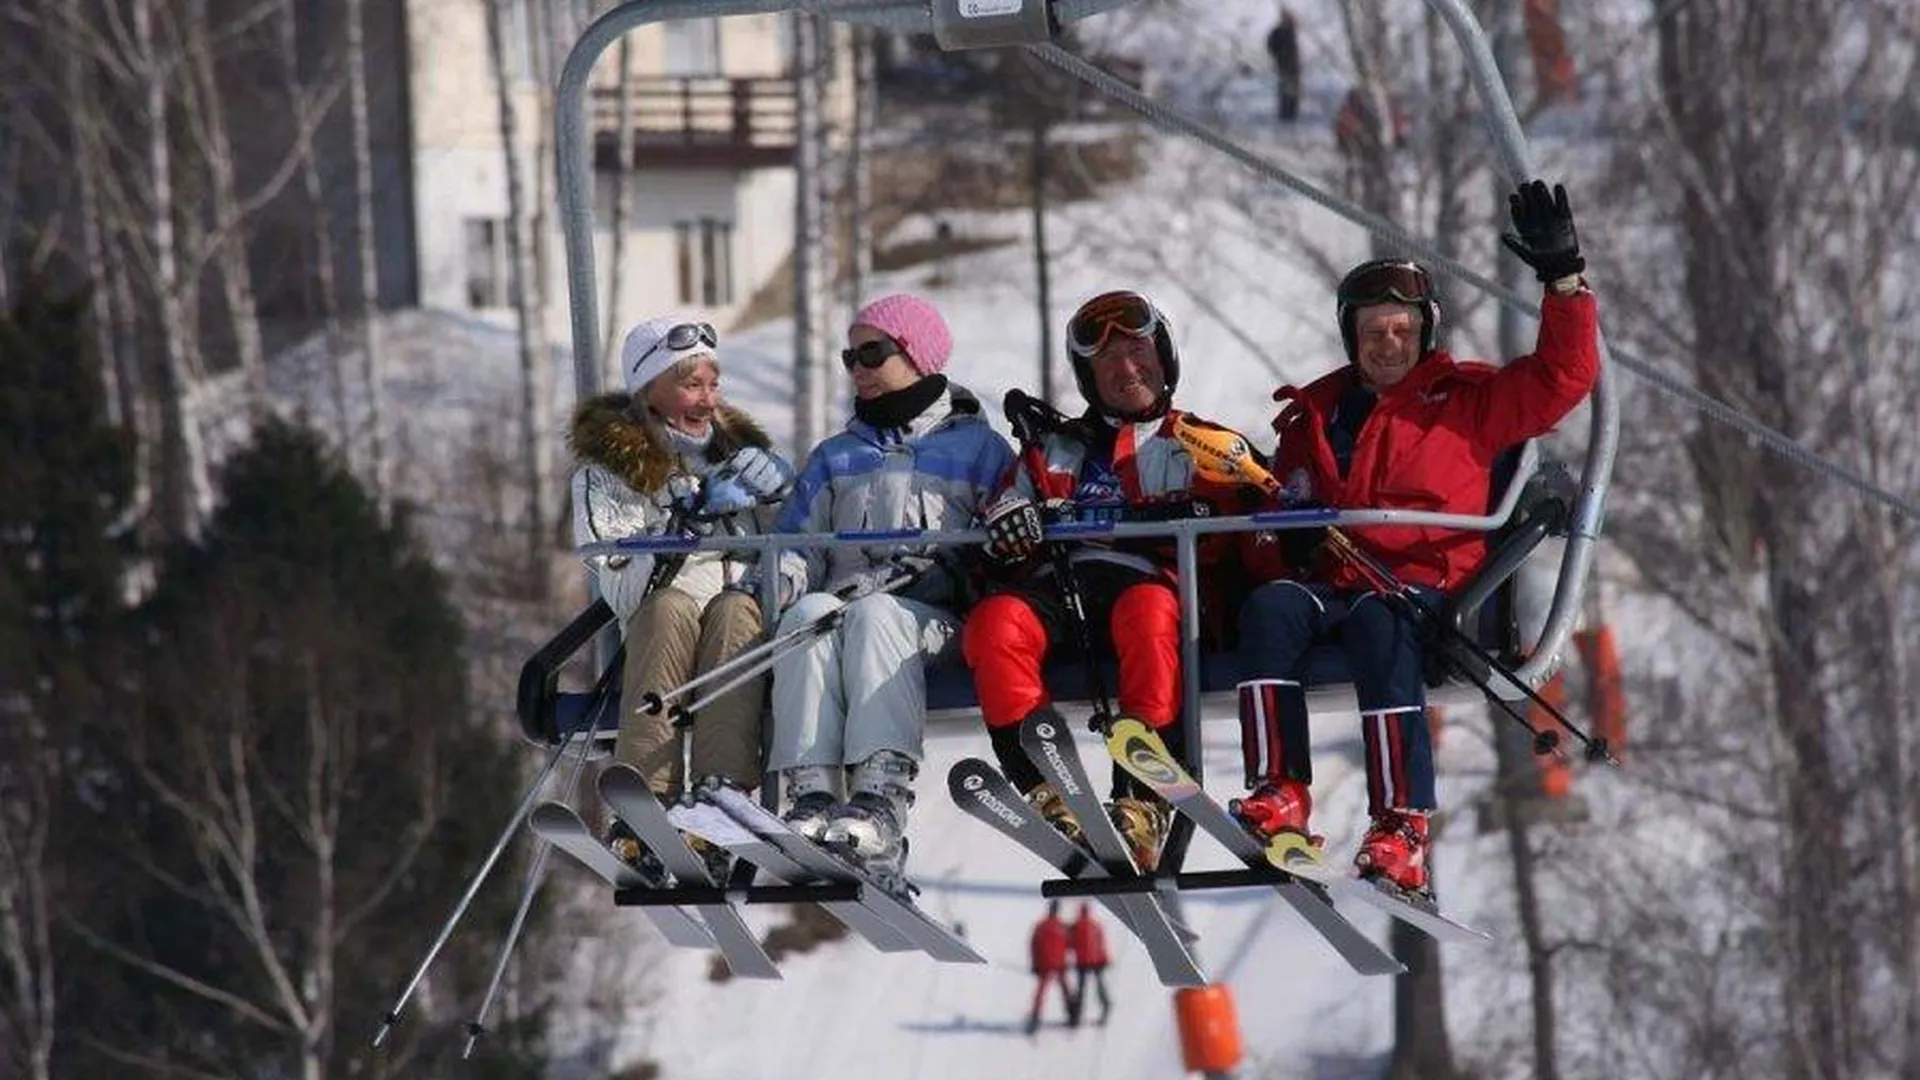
[(486, 263), (703, 257), (692, 48)]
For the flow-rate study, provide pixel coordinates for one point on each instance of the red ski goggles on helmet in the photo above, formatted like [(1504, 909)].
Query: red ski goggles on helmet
[(1101, 317), (1387, 282)]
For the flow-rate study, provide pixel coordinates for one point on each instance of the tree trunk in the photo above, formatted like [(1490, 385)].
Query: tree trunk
[(540, 396), (808, 392), (372, 348), (81, 106), (324, 272), (531, 422), (1042, 280), (622, 170), (230, 235), (859, 180), (185, 492), (1421, 1050)]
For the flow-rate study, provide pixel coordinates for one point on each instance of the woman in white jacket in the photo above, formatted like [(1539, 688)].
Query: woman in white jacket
[(669, 453)]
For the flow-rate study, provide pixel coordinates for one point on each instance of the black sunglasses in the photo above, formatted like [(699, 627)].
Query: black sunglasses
[(870, 355), (682, 336)]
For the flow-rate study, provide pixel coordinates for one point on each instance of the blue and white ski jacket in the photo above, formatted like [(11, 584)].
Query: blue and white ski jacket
[(937, 472)]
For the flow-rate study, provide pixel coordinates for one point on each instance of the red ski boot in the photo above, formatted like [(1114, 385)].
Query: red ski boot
[(1276, 808), (1394, 852)]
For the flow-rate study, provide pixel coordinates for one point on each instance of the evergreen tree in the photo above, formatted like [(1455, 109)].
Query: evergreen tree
[(303, 787), (65, 478)]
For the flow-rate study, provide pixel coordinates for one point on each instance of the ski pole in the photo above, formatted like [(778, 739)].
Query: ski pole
[(653, 702), (1031, 419), (536, 876), (392, 1015), (1224, 453), (1596, 747), (1075, 601)]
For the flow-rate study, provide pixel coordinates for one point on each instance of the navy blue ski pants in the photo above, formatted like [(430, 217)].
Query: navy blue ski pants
[(1281, 620)]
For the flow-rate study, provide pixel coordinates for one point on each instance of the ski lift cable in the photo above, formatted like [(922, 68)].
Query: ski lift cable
[(1177, 123)]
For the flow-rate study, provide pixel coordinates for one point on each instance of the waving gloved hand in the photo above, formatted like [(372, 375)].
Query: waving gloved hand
[(726, 495), (1014, 530), (1543, 235)]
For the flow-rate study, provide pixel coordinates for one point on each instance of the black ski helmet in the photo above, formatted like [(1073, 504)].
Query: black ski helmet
[(1387, 281), (1131, 313)]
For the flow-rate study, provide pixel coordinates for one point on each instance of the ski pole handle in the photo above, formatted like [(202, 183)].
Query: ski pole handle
[(1223, 454)]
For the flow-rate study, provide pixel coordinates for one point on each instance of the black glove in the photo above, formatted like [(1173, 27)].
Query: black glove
[(1544, 224), (1014, 531)]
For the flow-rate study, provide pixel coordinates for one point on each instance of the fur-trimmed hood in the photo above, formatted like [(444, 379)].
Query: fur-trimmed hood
[(606, 432)]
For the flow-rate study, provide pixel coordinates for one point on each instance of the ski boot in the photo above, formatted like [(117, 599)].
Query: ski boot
[(870, 829), (1393, 854), (810, 789), (1142, 823), (1046, 799), (626, 846), (1275, 809), (719, 860), (868, 834)]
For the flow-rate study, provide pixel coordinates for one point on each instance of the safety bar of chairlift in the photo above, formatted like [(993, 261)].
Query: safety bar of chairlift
[(770, 544)]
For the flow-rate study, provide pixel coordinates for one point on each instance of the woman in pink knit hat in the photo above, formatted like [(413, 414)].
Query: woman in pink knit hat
[(849, 708)]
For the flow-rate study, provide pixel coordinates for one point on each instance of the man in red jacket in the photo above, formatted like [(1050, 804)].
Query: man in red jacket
[(1048, 950), (1090, 963), (1402, 425), (1118, 462)]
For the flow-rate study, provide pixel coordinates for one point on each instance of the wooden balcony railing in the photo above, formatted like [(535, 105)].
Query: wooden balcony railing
[(700, 122)]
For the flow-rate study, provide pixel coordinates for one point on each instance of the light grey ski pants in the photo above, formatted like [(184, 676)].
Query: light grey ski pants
[(859, 688)]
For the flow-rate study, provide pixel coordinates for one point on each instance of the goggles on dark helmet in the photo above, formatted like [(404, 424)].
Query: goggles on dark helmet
[(1100, 318), (1386, 282)]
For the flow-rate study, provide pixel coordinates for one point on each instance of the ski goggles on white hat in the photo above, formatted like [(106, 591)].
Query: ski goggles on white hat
[(1103, 316), (681, 337)]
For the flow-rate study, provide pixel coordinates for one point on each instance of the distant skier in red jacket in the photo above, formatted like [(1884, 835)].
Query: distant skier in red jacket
[(1403, 425), (1049, 952), (1090, 963)]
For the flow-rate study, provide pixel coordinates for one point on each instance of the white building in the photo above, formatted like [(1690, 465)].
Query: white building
[(711, 191)]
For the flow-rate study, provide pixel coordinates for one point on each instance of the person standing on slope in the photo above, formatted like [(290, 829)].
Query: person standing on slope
[(1047, 950), (1401, 425), (1090, 962)]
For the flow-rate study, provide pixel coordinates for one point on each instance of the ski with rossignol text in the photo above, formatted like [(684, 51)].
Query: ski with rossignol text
[(1049, 744), (981, 792)]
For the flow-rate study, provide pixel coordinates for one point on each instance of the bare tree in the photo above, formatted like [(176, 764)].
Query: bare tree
[(372, 350), (622, 196), (529, 317), (309, 110), (1775, 198)]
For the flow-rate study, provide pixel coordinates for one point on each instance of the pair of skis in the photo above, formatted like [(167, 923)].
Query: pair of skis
[(1302, 881), (695, 911)]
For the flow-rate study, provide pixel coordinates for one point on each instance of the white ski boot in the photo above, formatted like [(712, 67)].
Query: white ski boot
[(813, 799), (871, 828)]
